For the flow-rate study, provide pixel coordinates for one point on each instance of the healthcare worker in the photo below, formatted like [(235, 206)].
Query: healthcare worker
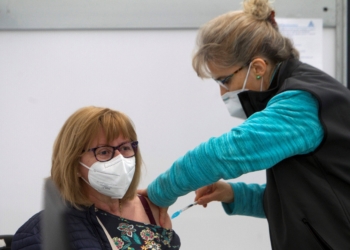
[(297, 128)]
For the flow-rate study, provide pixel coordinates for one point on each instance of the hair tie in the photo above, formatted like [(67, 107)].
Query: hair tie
[(271, 19)]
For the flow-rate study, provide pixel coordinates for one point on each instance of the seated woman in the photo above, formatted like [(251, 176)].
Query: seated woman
[(96, 166)]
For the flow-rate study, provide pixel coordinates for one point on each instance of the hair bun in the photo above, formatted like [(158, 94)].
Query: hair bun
[(260, 9)]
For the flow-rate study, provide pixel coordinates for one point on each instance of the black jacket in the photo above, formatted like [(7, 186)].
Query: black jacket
[(83, 229), (307, 197)]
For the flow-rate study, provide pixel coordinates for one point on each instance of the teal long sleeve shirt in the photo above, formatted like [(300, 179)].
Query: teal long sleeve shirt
[(288, 126)]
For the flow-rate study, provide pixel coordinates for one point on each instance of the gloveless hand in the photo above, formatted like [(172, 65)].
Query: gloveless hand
[(219, 191)]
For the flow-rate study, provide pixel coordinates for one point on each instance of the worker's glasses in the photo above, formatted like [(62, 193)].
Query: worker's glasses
[(106, 153), (223, 82)]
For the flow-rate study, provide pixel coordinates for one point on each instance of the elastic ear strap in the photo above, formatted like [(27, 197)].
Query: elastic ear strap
[(246, 77), (261, 84), (82, 176), (85, 181), (84, 165)]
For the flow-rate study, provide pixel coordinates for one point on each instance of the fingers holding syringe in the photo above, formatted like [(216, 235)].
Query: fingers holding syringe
[(219, 191), (203, 195)]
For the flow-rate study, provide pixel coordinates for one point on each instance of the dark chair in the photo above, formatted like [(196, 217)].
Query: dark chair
[(8, 240)]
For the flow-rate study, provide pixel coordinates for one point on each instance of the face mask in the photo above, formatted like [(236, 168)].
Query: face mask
[(111, 178), (232, 101), (233, 104)]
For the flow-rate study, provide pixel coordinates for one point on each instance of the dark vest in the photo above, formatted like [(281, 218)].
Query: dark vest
[(307, 197)]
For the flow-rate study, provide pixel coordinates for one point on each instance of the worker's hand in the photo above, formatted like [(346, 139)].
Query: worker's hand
[(164, 218), (219, 191), (142, 192)]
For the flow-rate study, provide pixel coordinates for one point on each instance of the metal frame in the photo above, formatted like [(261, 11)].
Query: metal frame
[(347, 44), (341, 58)]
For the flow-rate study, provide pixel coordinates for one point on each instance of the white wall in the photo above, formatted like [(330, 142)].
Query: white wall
[(47, 75)]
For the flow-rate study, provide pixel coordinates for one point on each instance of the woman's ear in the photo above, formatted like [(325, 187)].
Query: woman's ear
[(259, 67)]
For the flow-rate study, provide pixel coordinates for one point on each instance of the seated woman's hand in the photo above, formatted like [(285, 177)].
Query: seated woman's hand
[(219, 191)]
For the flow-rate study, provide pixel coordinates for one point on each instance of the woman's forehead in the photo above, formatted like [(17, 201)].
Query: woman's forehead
[(101, 137)]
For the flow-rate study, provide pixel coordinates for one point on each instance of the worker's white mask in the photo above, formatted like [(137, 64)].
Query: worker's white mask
[(232, 101), (233, 104)]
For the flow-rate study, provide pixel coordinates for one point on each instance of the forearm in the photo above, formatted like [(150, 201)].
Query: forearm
[(187, 174)]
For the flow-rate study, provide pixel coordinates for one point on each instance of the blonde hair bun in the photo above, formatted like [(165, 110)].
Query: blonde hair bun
[(259, 9)]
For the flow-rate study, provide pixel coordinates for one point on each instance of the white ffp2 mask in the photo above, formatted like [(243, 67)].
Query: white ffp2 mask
[(233, 104), (232, 101), (111, 178)]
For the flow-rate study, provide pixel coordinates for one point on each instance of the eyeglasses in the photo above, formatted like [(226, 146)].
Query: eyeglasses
[(224, 81), (106, 153)]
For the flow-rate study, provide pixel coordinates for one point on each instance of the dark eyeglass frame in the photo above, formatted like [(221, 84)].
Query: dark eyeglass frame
[(222, 82), (134, 145)]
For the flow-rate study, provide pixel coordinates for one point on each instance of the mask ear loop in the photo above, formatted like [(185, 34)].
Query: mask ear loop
[(246, 77), (84, 165), (82, 176)]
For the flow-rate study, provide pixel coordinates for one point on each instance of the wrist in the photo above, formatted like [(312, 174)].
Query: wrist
[(229, 194)]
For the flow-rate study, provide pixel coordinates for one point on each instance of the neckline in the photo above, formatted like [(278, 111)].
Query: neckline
[(104, 213)]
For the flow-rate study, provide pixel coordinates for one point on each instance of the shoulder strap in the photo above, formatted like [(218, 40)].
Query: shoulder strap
[(147, 209), (111, 242)]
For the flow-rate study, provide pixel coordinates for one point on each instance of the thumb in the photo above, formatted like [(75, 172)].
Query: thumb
[(163, 216)]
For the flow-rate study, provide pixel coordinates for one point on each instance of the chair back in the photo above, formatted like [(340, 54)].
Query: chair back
[(5, 242), (54, 221)]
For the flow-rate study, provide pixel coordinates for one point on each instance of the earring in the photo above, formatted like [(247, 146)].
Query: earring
[(258, 77)]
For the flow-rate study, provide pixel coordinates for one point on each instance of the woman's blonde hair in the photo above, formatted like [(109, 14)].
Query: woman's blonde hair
[(75, 137), (235, 38)]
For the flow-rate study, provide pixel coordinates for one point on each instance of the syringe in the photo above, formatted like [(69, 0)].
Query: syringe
[(177, 213)]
